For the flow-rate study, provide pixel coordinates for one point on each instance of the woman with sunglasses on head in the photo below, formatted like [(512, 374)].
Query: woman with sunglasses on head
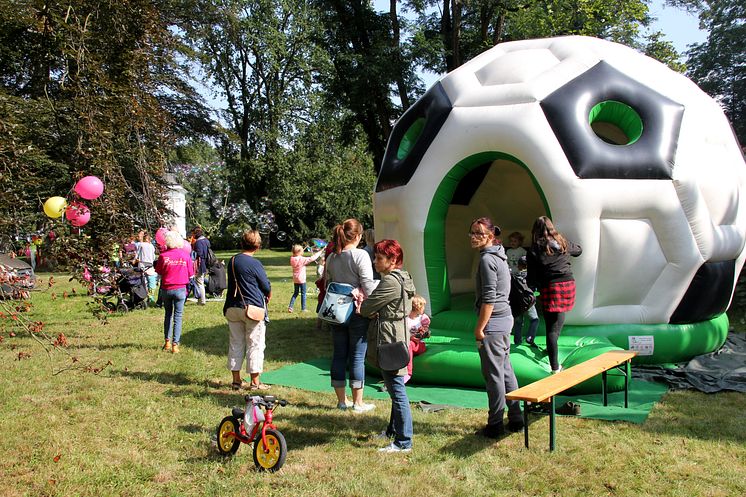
[(550, 271), (494, 324), (350, 265)]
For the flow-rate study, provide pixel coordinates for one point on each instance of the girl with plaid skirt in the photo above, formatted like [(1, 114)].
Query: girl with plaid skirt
[(550, 271)]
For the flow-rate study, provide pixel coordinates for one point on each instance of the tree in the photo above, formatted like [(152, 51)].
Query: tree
[(89, 88), (367, 62), (260, 56), (718, 65), (450, 32)]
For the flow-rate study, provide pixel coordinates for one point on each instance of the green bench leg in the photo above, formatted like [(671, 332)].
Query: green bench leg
[(551, 424), (627, 373), (525, 423)]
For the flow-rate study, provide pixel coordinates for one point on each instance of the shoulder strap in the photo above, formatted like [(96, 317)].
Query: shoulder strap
[(237, 289)]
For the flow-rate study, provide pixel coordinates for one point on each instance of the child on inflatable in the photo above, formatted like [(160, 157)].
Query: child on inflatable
[(533, 316), (418, 324), (515, 250)]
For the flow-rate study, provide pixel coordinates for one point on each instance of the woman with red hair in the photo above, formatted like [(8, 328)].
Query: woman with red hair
[(388, 306)]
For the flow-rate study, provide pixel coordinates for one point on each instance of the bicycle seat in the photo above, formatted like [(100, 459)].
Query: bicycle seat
[(237, 412), (269, 398)]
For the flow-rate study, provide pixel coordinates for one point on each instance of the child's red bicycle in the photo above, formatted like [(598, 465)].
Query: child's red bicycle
[(254, 425)]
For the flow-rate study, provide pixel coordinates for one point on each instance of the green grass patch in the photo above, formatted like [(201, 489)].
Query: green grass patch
[(142, 425)]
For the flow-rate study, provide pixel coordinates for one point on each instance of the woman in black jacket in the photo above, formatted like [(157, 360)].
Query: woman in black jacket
[(550, 271)]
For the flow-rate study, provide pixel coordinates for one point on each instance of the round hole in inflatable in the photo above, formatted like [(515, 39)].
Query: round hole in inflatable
[(410, 138), (615, 122)]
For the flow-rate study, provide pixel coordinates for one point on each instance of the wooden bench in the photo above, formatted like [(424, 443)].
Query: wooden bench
[(544, 390)]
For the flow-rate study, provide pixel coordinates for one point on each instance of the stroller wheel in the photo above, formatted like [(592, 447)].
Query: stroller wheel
[(122, 307), (142, 305)]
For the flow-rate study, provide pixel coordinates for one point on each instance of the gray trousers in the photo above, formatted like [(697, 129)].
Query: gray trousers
[(494, 354)]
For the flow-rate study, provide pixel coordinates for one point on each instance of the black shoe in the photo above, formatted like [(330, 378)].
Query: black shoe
[(492, 431), (530, 342), (568, 409), (515, 426)]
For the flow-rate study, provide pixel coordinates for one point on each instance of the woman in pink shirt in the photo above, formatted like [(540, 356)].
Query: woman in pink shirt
[(299, 263), (175, 267)]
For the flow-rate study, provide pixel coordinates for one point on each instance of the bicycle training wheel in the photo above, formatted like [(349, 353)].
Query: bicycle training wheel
[(228, 444), (273, 458)]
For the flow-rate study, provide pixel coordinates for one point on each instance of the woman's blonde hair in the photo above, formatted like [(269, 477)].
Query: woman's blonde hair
[(345, 233), (173, 239), (297, 249)]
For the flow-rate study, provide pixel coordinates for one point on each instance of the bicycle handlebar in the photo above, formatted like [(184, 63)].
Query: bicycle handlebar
[(266, 400)]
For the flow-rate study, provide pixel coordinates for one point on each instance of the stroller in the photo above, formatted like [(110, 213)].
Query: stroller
[(129, 291)]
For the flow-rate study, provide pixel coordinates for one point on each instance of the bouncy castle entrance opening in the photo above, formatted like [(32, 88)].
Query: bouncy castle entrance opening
[(490, 184)]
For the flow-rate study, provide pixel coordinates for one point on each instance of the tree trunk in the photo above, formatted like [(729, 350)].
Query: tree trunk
[(396, 46), (456, 34)]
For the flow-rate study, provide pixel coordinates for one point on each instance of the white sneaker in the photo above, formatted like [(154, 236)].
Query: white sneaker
[(363, 407), (394, 448), (344, 405), (555, 371)]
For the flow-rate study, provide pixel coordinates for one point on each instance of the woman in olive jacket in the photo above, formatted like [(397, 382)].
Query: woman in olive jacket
[(388, 305)]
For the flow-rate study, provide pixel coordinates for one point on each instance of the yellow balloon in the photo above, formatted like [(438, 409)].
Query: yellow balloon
[(55, 206)]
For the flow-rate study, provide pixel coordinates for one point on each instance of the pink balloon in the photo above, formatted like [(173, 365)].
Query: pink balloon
[(160, 237), (89, 187), (78, 214)]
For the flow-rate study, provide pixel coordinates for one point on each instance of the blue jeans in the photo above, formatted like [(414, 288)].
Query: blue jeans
[(173, 302), (400, 422), (299, 288), (533, 325), (350, 344)]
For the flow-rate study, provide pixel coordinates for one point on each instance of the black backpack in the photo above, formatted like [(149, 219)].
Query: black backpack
[(217, 281), (521, 297), (211, 259)]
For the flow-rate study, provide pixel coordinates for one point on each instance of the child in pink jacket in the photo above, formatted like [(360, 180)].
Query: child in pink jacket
[(299, 263)]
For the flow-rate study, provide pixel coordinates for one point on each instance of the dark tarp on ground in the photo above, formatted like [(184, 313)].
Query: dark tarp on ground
[(724, 369)]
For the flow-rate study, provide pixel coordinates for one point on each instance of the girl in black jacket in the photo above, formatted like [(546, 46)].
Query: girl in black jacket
[(550, 271)]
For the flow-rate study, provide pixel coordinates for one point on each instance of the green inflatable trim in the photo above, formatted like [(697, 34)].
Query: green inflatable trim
[(671, 342), (410, 138), (434, 236), (619, 114)]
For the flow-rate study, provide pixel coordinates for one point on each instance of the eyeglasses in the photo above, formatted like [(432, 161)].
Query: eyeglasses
[(477, 234)]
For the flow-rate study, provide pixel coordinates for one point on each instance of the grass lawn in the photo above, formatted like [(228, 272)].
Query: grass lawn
[(142, 426)]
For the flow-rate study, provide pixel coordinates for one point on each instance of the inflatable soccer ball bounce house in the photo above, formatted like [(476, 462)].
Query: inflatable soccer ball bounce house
[(629, 159)]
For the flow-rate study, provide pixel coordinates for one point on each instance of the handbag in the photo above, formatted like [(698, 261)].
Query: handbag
[(338, 303), (395, 355), (253, 312)]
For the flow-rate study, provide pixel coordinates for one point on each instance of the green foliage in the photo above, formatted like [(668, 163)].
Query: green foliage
[(658, 48), (718, 65), (468, 28), (322, 182)]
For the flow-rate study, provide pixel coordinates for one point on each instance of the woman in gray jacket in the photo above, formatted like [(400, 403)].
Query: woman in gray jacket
[(492, 331), (388, 305)]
